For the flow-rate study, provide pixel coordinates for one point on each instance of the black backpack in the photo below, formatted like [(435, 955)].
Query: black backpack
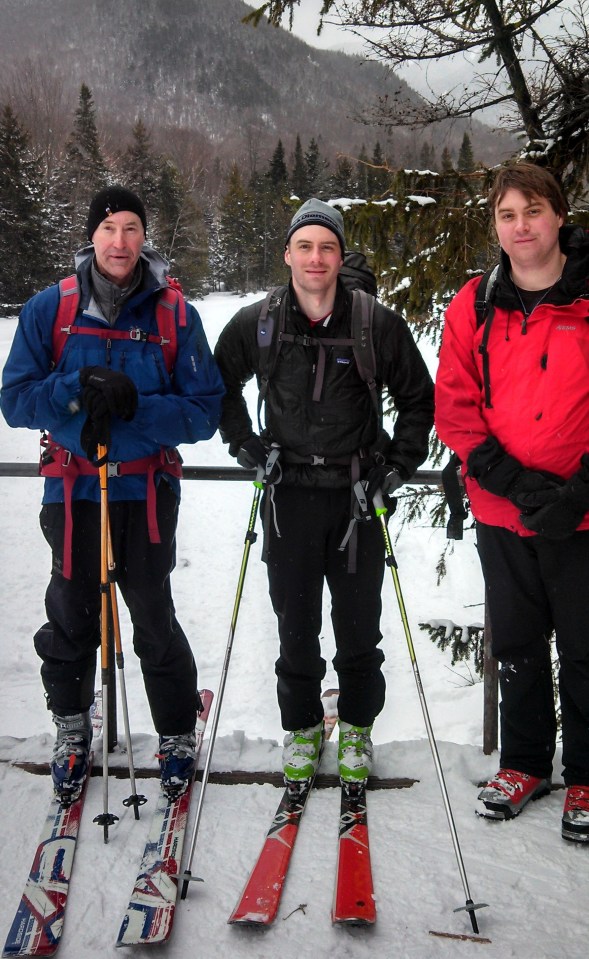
[(357, 277)]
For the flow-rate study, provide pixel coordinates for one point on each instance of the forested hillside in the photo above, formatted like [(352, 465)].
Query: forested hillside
[(215, 123)]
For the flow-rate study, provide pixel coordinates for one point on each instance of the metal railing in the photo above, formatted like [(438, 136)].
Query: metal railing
[(421, 478)]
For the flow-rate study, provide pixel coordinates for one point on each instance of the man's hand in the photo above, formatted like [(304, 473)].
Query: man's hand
[(501, 474), (107, 392), (559, 517), (95, 432), (385, 478), (253, 454)]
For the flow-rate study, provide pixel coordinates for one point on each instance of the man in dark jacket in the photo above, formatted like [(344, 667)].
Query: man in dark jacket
[(517, 413), (321, 419), (116, 384)]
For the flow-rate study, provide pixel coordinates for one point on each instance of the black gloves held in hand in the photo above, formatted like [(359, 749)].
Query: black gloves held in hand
[(384, 478), (253, 454), (501, 474), (558, 517), (107, 392), (95, 433)]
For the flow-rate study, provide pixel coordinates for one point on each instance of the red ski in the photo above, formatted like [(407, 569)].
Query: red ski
[(261, 896), (354, 892)]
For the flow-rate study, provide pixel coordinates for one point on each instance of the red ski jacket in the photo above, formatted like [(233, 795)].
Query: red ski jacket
[(538, 374)]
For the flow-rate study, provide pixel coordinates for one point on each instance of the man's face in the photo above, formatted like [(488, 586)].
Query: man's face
[(314, 256), (527, 230), (117, 245)]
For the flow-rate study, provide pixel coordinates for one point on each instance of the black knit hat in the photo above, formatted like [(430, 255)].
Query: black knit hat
[(317, 213), (115, 199)]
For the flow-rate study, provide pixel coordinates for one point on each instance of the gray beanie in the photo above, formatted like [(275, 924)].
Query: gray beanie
[(317, 213)]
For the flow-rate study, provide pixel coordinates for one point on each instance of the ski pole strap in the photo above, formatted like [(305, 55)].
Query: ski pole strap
[(356, 496), (60, 463)]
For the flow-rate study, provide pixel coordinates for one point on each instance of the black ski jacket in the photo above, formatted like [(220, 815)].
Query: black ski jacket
[(343, 421)]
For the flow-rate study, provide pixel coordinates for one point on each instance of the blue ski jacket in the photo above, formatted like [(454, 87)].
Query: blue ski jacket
[(182, 406)]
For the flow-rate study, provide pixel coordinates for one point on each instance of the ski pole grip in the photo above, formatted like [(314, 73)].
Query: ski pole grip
[(379, 507)]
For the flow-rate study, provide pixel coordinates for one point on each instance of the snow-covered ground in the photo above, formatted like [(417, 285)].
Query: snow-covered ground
[(535, 884)]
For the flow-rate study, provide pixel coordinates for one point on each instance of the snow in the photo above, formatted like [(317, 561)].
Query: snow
[(523, 869)]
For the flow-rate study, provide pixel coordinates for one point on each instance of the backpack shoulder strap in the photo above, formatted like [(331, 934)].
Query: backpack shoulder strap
[(362, 319), (485, 311), (69, 299), (483, 294), (270, 325), (170, 314)]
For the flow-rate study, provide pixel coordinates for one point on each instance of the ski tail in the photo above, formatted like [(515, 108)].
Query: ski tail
[(38, 923), (353, 901)]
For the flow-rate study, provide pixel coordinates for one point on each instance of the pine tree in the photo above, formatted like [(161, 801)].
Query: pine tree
[(447, 161), (343, 181), (466, 162), (427, 157), (178, 232), (377, 173), (362, 173), (271, 216), (315, 168), (83, 172), (277, 172), (237, 233), (25, 237), (140, 167), (298, 178)]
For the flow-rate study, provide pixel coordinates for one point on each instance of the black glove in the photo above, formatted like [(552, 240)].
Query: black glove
[(95, 432), (253, 454), (501, 474), (108, 392), (385, 478), (559, 518)]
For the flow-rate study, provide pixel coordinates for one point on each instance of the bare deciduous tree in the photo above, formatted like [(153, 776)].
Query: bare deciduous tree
[(529, 60)]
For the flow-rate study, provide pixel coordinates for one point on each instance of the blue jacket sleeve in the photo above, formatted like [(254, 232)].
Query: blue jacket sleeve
[(33, 394)]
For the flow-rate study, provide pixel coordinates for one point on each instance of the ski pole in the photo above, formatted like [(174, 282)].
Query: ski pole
[(134, 799), (105, 819), (381, 511), (250, 537)]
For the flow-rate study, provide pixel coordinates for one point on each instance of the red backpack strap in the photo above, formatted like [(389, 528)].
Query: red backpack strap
[(170, 313), (69, 299)]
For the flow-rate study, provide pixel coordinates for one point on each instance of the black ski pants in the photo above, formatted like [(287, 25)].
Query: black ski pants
[(534, 586), (312, 524), (68, 642)]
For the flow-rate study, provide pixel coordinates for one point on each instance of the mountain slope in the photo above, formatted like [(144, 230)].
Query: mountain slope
[(193, 65)]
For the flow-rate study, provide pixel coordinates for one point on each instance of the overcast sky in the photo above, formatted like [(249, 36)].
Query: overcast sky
[(423, 79)]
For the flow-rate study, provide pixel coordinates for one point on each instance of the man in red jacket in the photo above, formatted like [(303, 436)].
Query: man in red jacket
[(512, 400)]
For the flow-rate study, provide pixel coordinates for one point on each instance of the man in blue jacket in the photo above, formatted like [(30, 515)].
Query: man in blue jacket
[(111, 378)]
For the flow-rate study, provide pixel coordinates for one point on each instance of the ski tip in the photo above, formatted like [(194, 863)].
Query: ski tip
[(354, 920)]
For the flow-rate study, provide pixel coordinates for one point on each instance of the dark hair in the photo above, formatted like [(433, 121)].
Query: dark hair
[(532, 181)]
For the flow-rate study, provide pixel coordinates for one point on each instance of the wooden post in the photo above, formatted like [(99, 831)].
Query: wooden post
[(490, 693)]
